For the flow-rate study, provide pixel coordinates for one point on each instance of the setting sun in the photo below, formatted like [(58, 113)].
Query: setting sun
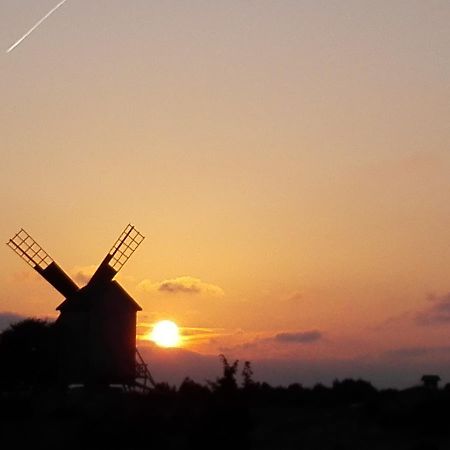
[(165, 334)]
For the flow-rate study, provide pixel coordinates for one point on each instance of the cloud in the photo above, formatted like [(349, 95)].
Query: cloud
[(182, 285), (295, 297), (393, 321), (418, 354), (407, 352), (201, 333), (189, 334), (267, 342), (8, 318), (82, 274), (301, 337), (436, 314)]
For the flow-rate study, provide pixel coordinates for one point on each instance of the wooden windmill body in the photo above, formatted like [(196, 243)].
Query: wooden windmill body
[(96, 327)]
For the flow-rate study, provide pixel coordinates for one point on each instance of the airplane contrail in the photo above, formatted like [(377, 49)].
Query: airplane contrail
[(10, 49)]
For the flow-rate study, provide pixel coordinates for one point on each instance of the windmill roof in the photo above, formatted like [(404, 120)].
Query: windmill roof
[(88, 298)]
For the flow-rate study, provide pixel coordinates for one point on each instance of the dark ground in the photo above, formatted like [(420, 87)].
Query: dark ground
[(351, 415)]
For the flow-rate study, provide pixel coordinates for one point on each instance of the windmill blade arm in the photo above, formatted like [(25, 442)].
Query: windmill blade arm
[(35, 256), (59, 279), (104, 272), (120, 253)]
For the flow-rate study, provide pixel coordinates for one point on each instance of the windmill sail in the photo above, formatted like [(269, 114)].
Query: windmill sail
[(120, 253), (34, 255)]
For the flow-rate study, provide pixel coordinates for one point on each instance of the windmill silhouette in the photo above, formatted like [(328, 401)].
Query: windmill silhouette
[(96, 327)]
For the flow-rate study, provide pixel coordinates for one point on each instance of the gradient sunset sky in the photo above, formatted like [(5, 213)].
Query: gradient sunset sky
[(288, 162)]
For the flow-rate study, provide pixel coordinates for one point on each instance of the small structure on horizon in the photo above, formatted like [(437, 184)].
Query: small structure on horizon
[(96, 328), (430, 381)]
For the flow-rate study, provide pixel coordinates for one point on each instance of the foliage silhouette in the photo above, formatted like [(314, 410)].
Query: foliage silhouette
[(227, 383), (247, 376), (28, 355), (350, 390)]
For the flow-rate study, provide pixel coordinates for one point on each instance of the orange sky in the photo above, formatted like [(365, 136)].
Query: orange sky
[(286, 160)]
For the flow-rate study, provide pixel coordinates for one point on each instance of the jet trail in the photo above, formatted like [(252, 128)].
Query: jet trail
[(10, 49)]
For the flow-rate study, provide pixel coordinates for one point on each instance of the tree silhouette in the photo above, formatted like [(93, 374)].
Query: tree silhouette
[(247, 376), (27, 355), (193, 391), (227, 382), (349, 390)]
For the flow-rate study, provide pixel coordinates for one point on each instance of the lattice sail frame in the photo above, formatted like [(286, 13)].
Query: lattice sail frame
[(125, 246), (29, 250)]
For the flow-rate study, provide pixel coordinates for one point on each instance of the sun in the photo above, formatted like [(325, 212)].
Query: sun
[(165, 334)]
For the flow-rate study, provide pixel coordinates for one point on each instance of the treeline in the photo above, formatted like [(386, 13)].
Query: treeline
[(242, 385), (230, 412)]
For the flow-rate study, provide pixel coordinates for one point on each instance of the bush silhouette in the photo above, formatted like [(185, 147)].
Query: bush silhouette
[(28, 355)]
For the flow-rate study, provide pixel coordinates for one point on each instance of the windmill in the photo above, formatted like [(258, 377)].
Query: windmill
[(96, 327)]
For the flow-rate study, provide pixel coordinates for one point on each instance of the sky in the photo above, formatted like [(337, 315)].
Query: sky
[(287, 162)]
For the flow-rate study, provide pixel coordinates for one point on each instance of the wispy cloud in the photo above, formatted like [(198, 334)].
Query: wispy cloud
[(189, 334), (393, 321), (438, 313), (295, 297), (182, 285), (284, 338), (301, 337), (408, 353)]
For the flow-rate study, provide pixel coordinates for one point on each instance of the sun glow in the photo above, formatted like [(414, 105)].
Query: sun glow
[(166, 334)]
